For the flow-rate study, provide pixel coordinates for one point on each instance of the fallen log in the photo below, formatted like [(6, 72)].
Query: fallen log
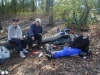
[(4, 43), (45, 40), (53, 38)]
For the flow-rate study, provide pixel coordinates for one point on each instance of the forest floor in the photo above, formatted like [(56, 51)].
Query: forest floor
[(32, 65)]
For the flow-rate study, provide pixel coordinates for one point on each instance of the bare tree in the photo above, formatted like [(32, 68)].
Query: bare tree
[(85, 14), (47, 6), (51, 13), (33, 6), (2, 7)]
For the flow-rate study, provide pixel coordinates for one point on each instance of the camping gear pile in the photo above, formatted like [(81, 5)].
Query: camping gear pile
[(58, 41), (61, 37), (4, 54)]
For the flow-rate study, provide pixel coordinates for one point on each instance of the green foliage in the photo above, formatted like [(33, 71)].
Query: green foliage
[(75, 12), (15, 7)]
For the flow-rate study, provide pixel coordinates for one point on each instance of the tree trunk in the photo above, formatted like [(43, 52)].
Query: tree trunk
[(33, 6), (42, 6), (51, 13), (74, 16), (47, 6), (13, 6), (23, 6), (84, 16), (15, 3), (2, 7)]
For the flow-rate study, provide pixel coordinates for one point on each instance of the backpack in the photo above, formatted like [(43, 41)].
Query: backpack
[(4, 52)]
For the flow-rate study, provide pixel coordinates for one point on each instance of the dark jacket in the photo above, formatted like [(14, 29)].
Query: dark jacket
[(34, 30), (1, 28), (80, 43)]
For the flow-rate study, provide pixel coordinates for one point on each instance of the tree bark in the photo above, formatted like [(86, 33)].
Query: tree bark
[(47, 6), (23, 5), (84, 16), (33, 6), (51, 13), (2, 7), (15, 4)]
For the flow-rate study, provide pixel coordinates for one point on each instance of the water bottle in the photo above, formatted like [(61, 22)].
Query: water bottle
[(40, 55), (58, 30)]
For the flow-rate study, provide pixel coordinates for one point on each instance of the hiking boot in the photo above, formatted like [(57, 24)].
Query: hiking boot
[(22, 54), (48, 51), (25, 51), (30, 49), (39, 47), (49, 56)]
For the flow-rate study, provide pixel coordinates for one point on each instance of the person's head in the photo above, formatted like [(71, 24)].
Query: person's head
[(84, 32), (38, 21), (15, 22)]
